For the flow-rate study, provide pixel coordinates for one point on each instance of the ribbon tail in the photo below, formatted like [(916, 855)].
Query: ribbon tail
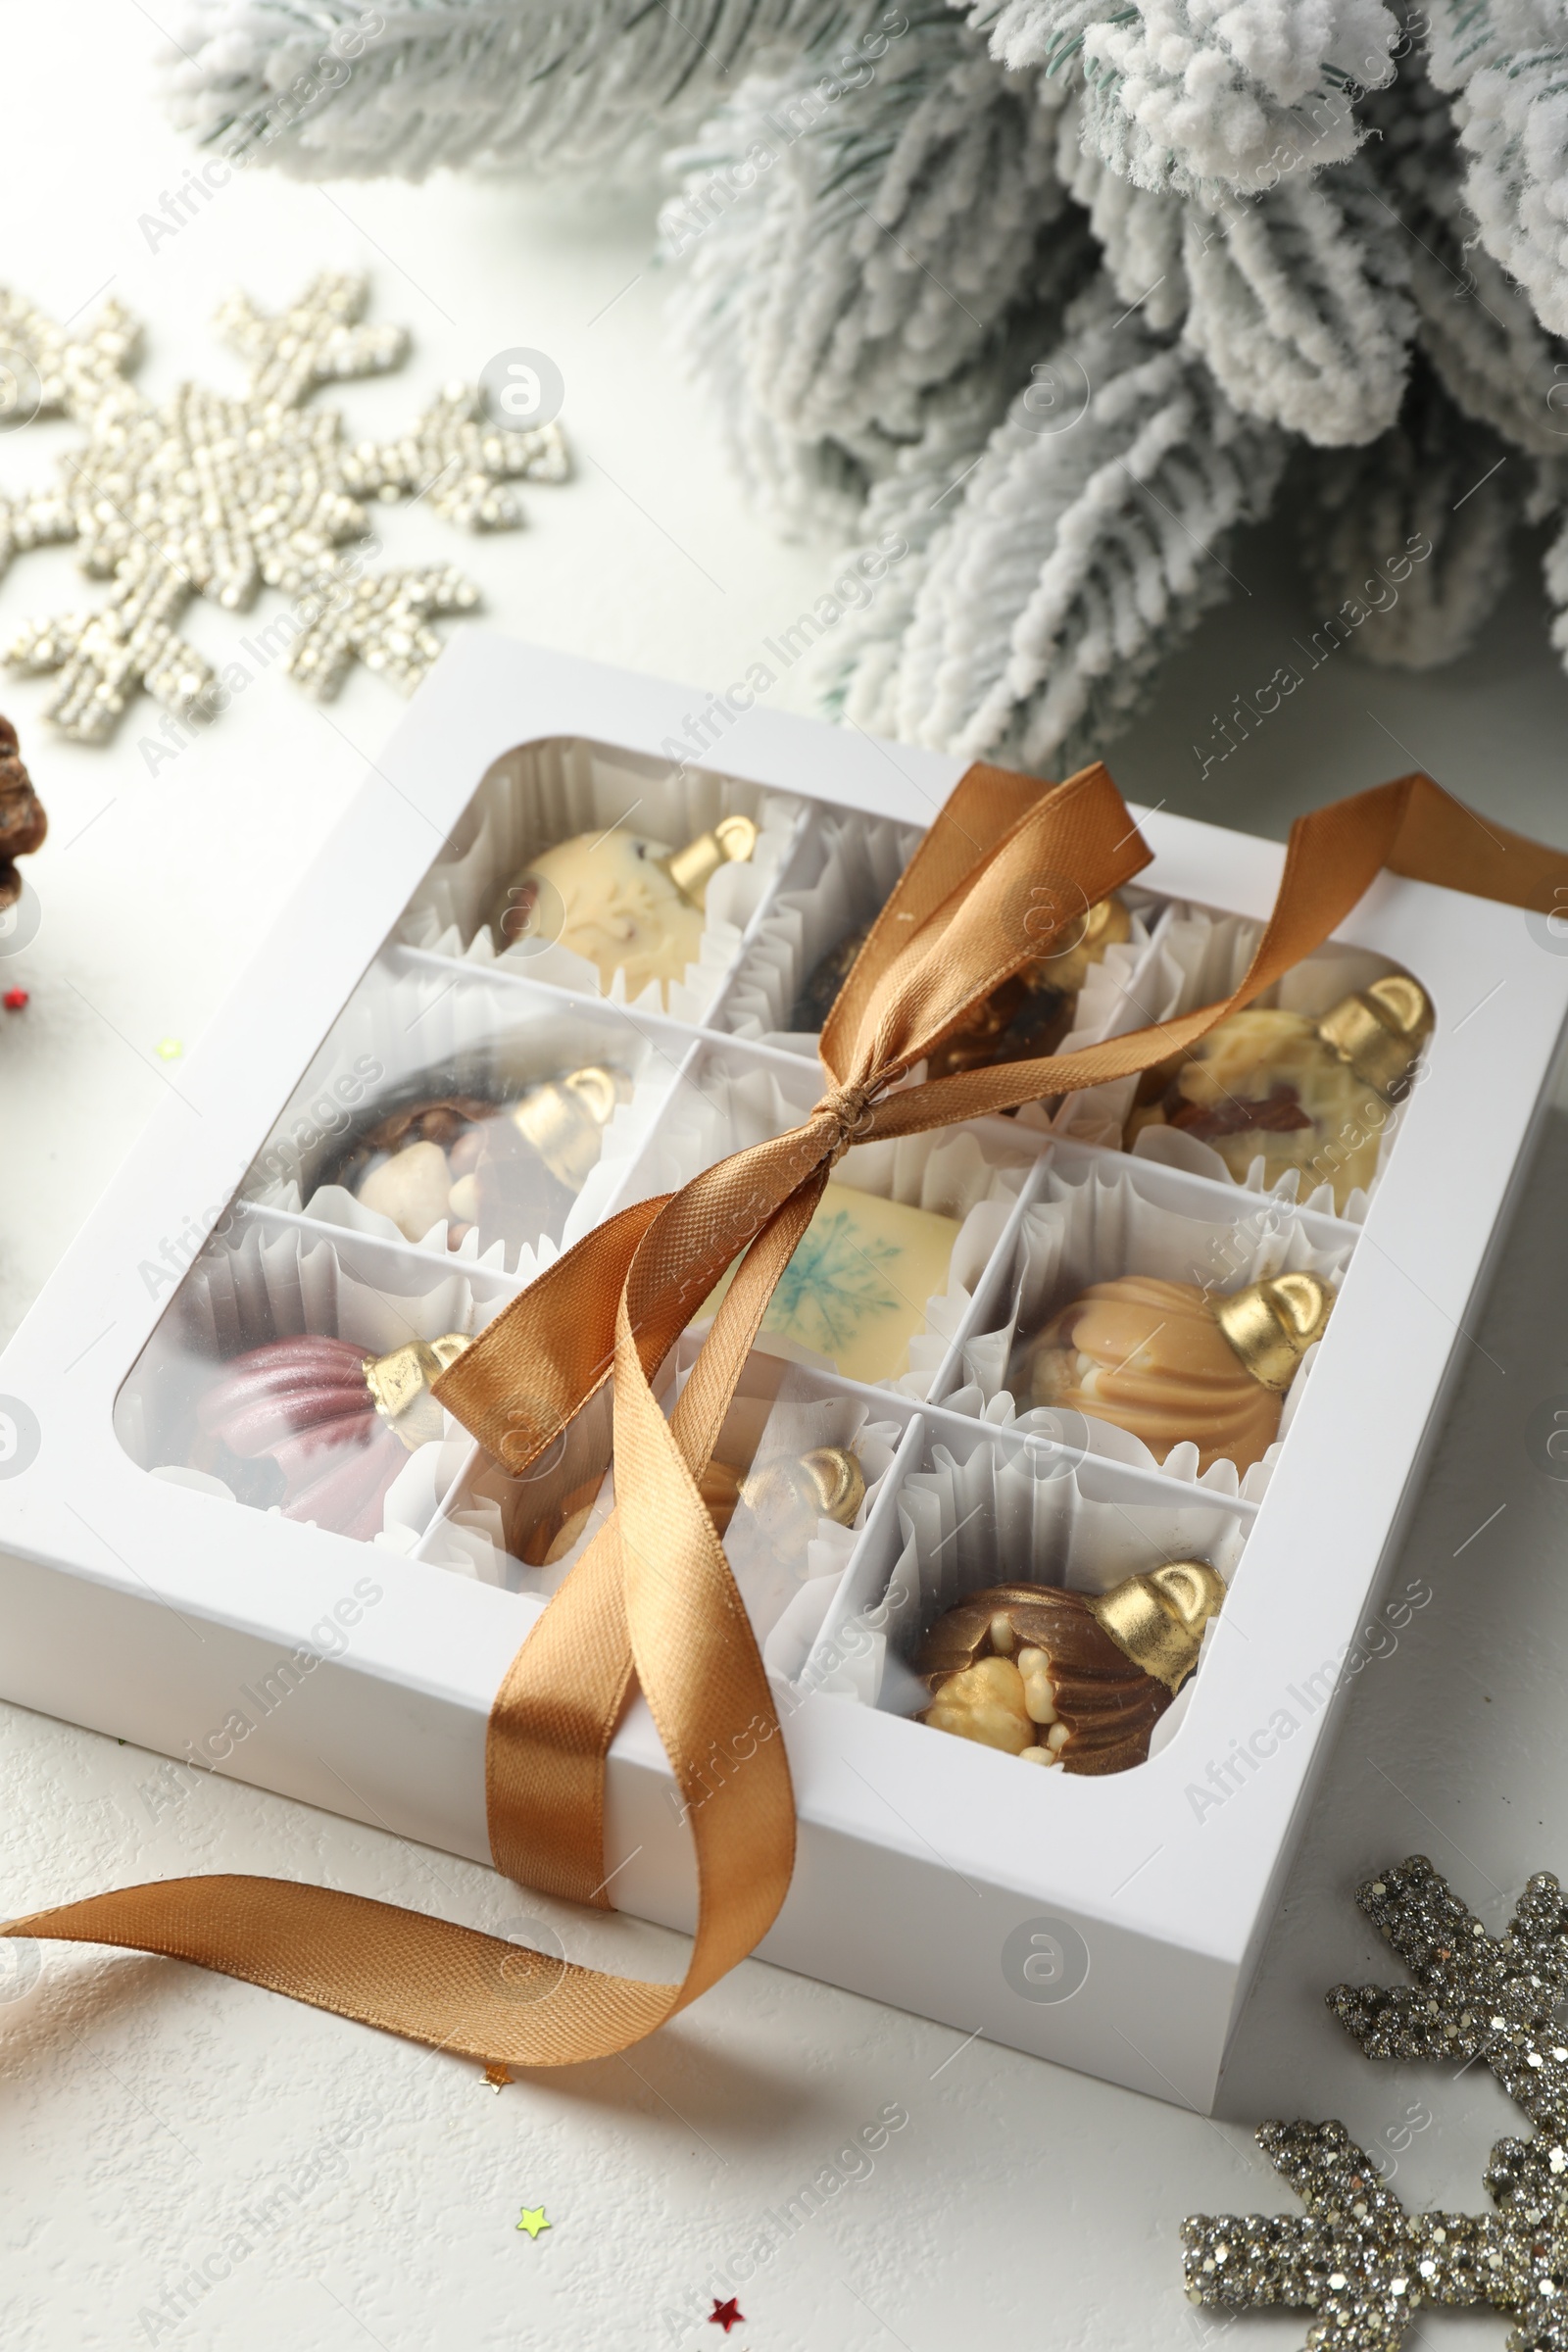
[(1333, 857), (455, 1988), (697, 1657), (542, 1357), (565, 1690), (1439, 840)]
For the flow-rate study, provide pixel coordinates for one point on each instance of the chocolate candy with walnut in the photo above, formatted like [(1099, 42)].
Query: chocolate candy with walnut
[(1072, 1679)]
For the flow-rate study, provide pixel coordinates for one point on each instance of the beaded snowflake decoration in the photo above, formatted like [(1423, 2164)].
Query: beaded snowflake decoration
[(203, 495), (1358, 2259)]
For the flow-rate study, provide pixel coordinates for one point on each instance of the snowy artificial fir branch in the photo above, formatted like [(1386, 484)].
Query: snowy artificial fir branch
[(1439, 496), (845, 255), (1507, 65), (1297, 306), (333, 88), (1087, 544), (1336, 228)]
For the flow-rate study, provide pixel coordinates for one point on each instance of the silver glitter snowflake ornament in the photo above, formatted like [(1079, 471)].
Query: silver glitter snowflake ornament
[(1358, 2259), (203, 495)]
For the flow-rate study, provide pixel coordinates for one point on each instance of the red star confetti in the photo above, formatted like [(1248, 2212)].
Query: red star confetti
[(15, 999), (725, 2315)]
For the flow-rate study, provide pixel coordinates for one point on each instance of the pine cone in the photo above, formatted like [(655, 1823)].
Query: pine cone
[(23, 822)]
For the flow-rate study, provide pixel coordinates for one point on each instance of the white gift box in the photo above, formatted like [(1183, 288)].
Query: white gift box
[(1109, 1924)]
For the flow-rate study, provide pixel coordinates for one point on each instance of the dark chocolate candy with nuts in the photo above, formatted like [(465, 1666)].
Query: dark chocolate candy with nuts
[(511, 1165), (1070, 1679), (23, 822), (1023, 1020), (1293, 1091)]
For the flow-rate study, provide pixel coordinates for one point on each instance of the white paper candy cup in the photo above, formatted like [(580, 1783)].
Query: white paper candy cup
[(1197, 957), (412, 1020), (1097, 1218), (267, 1280), (544, 793), (842, 879)]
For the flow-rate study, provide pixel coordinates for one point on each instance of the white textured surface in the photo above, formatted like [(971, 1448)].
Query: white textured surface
[(146, 2110)]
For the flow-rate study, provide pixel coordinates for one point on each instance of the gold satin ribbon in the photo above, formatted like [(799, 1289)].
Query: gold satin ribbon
[(1008, 866)]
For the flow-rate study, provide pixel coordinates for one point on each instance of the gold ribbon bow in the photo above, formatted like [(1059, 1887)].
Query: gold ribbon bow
[(1008, 866)]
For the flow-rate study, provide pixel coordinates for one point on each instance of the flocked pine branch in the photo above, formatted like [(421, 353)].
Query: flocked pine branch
[(1081, 556), (1299, 305), (1475, 324), (848, 251), (1181, 93), (1442, 489), (912, 504), (502, 83), (1139, 233), (1042, 35), (1284, 197), (1507, 65)]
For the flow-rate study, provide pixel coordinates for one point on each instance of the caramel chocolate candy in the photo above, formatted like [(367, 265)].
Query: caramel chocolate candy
[(512, 1167), (1304, 1094), (1024, 1019), (1169, 1362), (621, 901), (1072, 1679)]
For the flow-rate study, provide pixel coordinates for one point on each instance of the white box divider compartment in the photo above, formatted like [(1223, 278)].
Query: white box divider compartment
[(1112, 1923)]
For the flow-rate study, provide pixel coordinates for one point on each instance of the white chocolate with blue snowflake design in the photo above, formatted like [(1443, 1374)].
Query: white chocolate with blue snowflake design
[(857, 1287)]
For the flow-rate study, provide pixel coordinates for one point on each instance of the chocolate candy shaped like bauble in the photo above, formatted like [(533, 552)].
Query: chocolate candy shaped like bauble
[(512, 1167), (621, 901), (22, 823), (1304, 1093), (319, 1427), (1171, 1363), (788, 1494), (1024, 1019), (1075, 1680)]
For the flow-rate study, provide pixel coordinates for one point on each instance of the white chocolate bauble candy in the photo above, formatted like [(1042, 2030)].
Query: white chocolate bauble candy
[(610, 898)]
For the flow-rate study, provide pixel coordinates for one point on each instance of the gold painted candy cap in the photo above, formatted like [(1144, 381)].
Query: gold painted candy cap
[(826, 1483), (728, 842), (400, 1384), (1381, 1030), (1272, 1324), (563, 1118), (1157, 1619)]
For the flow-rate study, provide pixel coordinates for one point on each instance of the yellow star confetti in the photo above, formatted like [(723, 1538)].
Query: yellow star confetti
[(170, 1049), (497, 2075), (533, 2220)]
